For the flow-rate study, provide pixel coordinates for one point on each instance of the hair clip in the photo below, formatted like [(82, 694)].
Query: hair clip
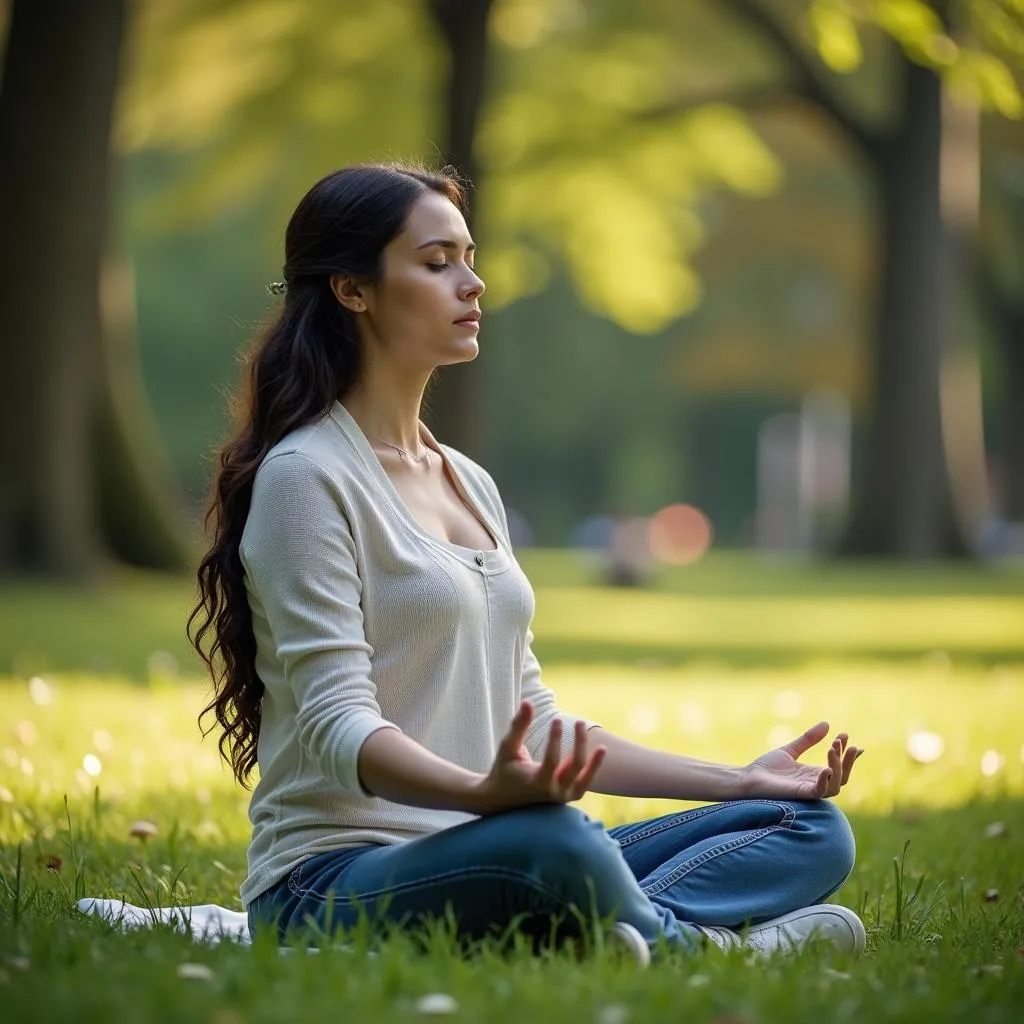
[(277, 288)]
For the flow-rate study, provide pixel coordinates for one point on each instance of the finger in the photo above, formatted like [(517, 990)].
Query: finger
[(586, 777), (835, 766), (819, 788), (517, 731), (571, 767), (806, 740), (553, 753), (852, 755)]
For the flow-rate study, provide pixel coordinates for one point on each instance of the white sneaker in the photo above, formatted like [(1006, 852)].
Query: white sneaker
[(825, 922), (625, 937)]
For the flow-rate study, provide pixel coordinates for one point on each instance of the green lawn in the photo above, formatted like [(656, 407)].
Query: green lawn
[(721, 662)]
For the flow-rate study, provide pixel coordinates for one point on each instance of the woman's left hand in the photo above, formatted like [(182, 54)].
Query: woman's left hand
[(778, 774)]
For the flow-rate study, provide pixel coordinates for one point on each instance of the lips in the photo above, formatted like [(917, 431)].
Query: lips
[(469, 318)]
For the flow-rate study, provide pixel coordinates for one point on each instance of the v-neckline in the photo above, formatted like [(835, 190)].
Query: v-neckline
[(470, 556)]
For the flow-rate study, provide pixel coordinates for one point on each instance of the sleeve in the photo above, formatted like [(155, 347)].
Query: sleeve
[(545, 705), (300, 557)]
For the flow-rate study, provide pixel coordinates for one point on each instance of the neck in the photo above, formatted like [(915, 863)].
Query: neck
[(388, 409)]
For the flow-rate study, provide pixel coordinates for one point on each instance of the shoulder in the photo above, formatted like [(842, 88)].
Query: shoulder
[(315, 457)]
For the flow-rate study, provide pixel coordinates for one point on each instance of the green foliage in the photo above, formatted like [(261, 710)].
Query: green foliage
[(978, 45)]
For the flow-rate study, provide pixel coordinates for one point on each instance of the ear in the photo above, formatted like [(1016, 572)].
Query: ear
[(348, 292)]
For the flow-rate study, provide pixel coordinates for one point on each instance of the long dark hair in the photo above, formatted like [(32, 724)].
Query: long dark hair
[(303, 361)]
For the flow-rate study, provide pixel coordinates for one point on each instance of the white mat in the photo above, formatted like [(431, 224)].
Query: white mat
[(206, 921)]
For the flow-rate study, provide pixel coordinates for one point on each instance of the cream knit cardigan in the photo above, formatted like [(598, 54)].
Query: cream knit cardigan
[(364, 620)]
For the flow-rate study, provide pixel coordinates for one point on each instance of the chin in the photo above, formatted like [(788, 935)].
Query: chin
[(465, 353)]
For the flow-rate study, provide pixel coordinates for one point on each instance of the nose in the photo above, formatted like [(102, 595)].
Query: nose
[(472, 286)]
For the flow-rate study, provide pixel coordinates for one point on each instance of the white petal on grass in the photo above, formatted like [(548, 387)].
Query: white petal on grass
[(645, 719), (102, 740), (195, 972), (697, 980), (91, 765), (436, 1004), (991, 762), (828, 972), (26, 733), (40, 691), (614, 1013), (925, 747), (787, 704), (996, 830)]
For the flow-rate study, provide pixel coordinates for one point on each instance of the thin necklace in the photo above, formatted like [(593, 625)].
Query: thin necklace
[(402, 453)]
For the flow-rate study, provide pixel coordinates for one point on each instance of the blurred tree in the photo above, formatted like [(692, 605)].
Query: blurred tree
[(80, 474), (904, 504), (267, 96), (1001, 290), (453, 403)]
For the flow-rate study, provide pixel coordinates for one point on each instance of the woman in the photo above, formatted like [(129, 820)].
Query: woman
[(372, 629)]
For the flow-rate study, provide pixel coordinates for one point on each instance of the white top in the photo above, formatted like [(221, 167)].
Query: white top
[(364, 620)]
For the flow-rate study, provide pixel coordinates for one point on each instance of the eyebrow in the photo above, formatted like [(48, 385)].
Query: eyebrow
[(445, 243)]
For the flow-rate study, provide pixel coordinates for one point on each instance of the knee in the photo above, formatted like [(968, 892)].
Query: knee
[(574, 853), (832, 838)]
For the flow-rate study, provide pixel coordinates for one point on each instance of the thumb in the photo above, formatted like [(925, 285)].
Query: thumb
[(806, 740)]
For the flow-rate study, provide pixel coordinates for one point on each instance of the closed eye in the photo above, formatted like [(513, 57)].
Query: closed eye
[(437, 267)]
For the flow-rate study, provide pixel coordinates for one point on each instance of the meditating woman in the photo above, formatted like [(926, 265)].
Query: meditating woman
[(371, 647)]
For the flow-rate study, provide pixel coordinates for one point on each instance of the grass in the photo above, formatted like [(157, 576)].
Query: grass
[(721, 662)]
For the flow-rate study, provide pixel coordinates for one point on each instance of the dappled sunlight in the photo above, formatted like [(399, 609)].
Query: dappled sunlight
[(818, 624), (720, 714)]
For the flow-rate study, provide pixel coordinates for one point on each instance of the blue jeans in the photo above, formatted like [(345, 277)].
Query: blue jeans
[(537, 868)]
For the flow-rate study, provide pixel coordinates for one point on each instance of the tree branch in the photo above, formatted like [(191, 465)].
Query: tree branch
[(812, 82)]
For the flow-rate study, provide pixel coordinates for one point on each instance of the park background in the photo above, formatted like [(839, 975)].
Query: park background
[(751, 383)]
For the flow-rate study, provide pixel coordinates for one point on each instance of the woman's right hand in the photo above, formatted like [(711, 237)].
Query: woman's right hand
[(516, 780)]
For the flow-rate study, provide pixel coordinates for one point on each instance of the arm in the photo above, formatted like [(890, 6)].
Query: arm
[(630, 769)]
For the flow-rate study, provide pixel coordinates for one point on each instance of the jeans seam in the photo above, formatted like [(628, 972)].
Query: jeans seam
[(700, 812), (505, 874), (716, 851)]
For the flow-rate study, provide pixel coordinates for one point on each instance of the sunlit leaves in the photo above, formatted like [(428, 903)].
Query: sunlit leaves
[(977, 48), (836, 36), (985, 79)]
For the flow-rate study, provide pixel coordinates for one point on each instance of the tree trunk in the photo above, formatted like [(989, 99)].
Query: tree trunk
[(453, 400), (1013, 398), (904, 504), (60, 77)]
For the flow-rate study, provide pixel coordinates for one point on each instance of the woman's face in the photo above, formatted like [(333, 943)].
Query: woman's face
[(424, 311)]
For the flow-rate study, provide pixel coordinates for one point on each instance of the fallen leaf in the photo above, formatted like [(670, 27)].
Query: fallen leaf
[(142, 830)]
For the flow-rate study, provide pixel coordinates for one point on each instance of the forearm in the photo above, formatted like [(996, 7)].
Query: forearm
[(630, 769), (397, 768)]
